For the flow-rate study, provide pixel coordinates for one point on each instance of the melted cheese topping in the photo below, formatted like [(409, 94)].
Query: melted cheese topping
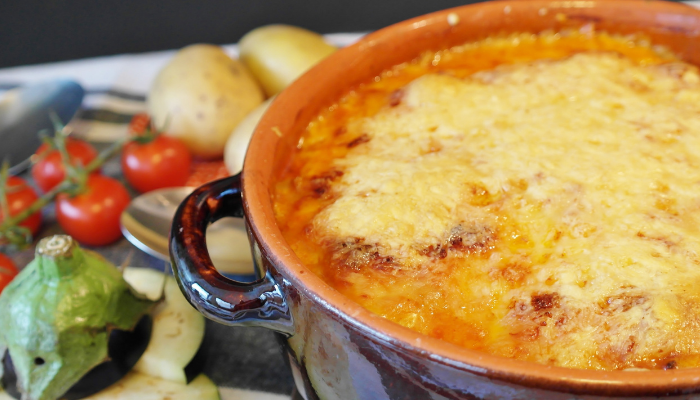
[(543, 210)]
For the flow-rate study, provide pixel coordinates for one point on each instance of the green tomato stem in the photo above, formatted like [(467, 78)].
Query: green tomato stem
[(37, 205), (6, 271), (106, 154), (73, 184)]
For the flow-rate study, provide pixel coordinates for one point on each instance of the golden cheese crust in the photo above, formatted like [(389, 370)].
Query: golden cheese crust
[(535, 197)]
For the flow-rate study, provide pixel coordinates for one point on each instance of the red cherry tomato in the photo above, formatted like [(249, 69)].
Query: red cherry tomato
[(8, 270), (139, 123), (49, 170), (92, 217), (162, 162), (205, 171), (19, 197)]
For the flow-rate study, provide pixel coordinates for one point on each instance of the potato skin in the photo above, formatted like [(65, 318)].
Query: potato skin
[(200, 96), (278, 54), (237, 143)]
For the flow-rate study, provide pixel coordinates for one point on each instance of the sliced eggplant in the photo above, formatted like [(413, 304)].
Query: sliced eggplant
[(161, 367), (125, 349), (135, 386), (57, 316), (178, 329)]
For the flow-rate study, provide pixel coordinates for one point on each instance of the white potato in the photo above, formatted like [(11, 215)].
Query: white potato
[(237, 143), (200, 96), (278, 54)]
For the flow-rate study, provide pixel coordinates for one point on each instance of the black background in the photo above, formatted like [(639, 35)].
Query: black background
[(39, 31)]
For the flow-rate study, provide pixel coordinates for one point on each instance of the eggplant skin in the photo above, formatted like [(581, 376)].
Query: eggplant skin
[(143, 387), (173, 315), (176, 325), (125, 349), (58, 313)]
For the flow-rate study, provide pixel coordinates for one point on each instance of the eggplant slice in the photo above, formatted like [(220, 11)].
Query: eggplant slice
[(125, 349)]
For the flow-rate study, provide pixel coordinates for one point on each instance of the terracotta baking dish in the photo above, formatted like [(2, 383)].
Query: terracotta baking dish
[(337, 349)]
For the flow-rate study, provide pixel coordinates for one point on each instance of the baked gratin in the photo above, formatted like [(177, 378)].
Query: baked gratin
[(531, 196)]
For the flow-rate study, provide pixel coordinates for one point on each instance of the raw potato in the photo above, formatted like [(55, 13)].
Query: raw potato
[(227, 243), (178, 329), (237, 143), (200, 96), (278, 54)]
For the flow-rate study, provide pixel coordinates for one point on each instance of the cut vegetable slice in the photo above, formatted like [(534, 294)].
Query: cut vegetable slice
[(178, 329), (177, 333), (57, 315), (3, 349), (135, 386), (125, 349)]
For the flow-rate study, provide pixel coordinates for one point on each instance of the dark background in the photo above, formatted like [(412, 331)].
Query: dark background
[(39, 31)]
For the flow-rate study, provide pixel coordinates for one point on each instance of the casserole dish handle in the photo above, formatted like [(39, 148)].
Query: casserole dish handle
[(260, 303)]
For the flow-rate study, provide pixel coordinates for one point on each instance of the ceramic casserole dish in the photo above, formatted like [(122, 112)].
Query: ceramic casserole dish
[(336, 348)]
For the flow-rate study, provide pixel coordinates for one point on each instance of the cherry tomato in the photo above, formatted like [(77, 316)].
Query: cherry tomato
[(139, 123), (162, 162), (8, 270), (19, 197), (92, 217), (205, 171), (49, 170)]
